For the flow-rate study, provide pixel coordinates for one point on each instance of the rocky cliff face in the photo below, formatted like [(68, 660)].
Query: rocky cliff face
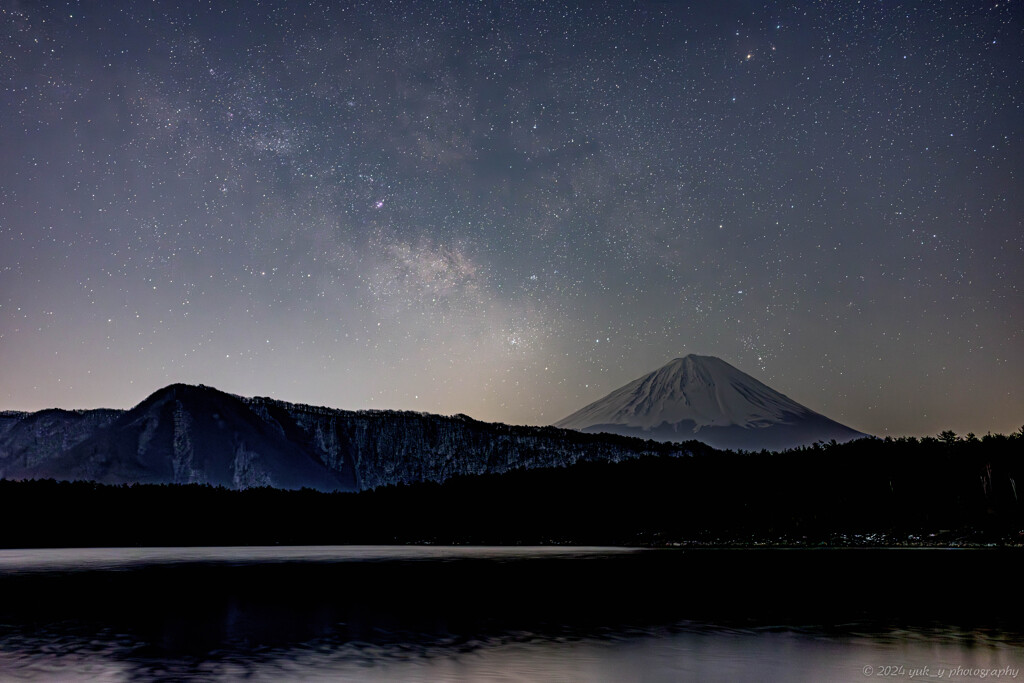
[(378, 448), (187, 434), (27, 439)]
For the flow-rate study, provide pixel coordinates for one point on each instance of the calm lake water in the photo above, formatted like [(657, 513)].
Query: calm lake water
[(510, 614)]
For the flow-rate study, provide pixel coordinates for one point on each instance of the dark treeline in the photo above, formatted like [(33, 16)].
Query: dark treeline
[(929, 491)]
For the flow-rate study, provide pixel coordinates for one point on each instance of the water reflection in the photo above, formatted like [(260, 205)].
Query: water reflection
[(79, 559), (682, 652), (494, 614)]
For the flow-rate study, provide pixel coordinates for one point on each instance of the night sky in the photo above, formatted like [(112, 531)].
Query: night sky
[(509, 209)]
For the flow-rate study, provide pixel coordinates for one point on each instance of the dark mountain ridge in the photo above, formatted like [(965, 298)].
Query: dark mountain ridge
[(196, 434)]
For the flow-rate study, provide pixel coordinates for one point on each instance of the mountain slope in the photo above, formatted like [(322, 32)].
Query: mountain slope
[(189, 434), (705, 398), (185, 434), (29, 438)]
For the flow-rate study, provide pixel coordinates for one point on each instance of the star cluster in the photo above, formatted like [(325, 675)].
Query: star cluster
[(509, 209)]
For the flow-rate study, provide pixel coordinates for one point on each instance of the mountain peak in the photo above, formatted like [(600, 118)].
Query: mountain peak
[(697, 397), (179, 391), (696, 358)]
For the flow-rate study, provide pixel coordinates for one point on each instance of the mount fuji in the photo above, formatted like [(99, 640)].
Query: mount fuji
[(705, 398)]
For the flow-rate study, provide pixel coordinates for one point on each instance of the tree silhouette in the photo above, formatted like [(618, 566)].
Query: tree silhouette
[(870, 491)]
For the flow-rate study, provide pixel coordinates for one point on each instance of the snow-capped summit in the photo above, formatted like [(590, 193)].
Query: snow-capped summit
[(705, 398)]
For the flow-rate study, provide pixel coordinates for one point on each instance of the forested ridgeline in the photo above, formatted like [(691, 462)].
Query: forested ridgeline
[(929, 491)]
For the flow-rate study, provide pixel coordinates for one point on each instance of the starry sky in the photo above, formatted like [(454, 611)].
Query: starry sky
[(509, 209)]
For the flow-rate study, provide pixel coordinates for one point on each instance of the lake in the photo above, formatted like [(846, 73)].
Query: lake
[(425, 613)]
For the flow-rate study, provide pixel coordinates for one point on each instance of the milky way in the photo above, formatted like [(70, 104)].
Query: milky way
[(509, 209)]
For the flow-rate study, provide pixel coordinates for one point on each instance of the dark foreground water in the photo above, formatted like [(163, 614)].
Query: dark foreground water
[(510, 614)]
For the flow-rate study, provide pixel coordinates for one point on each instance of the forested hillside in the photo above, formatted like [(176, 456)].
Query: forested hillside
[(930, 491)]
